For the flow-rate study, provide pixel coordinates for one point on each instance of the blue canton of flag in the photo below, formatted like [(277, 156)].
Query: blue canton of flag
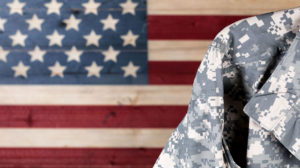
[(73, 42)]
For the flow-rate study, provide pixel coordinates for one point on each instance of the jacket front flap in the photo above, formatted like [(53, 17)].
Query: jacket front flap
[(276, 105)]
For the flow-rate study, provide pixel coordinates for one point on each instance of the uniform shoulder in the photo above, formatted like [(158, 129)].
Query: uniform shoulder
[(261, 23), (226, 32), (225, 36)]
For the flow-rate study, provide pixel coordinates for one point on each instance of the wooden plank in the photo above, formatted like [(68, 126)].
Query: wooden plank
[(95, 95), (180, 27), (78, 157), (175, 73), (91, 116), (84, 137), (177, 50), (220, 7)]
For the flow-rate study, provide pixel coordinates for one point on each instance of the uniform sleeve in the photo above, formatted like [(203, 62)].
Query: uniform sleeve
[(197, 140)]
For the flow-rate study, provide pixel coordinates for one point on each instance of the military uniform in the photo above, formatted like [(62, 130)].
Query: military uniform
[(245, 105)]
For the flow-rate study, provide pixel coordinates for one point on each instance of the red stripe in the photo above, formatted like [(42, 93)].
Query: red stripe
[(172, 72), (188, 27), (92, 116), (78, 157)]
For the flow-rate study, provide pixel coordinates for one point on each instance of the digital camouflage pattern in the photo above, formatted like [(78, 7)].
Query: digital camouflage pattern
[(245, 105)]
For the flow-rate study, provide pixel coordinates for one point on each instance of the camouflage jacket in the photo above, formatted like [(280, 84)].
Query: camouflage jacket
[(245, 105)]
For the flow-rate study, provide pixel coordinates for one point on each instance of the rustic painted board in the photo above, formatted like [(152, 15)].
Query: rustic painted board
[(177, 50), (95, 95), (142, 116), (217, 7), (78, 157), (84, 138)]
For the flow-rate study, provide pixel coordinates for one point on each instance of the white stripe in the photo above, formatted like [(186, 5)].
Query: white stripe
[(95, 94), (85, 138), (177, 50), (220, 7)]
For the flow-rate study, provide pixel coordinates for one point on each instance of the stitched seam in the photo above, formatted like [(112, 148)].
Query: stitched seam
[(278, 137), (280, 120)]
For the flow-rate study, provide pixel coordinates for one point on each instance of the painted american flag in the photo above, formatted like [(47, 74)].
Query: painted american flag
[(101, 83), (71, 42)]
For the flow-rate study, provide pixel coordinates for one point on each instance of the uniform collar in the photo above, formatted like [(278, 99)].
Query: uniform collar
[(276, 105)]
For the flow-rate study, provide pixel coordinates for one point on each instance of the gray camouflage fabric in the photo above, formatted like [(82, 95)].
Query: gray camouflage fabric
[(245, 105)]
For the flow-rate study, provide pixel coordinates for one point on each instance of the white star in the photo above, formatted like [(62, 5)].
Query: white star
[(94, 69), (129, 7), (37, 54), (53, 7), (57, 69), (2, 22), (16, 7), (55, 38), (35, 23), (91, 7), (3, 54), (18, 38), (92, 38), (130, 69), (74, 54), (129, 38), (20, 70), (110, 54), (109, 23), (72, 23)]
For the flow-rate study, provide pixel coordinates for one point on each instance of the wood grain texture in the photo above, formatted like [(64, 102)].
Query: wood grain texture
[(177, 50), (91, 116), (78, 157), (95, 95), (173, 73), (84, 138), (189, 27), (218, 7)]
